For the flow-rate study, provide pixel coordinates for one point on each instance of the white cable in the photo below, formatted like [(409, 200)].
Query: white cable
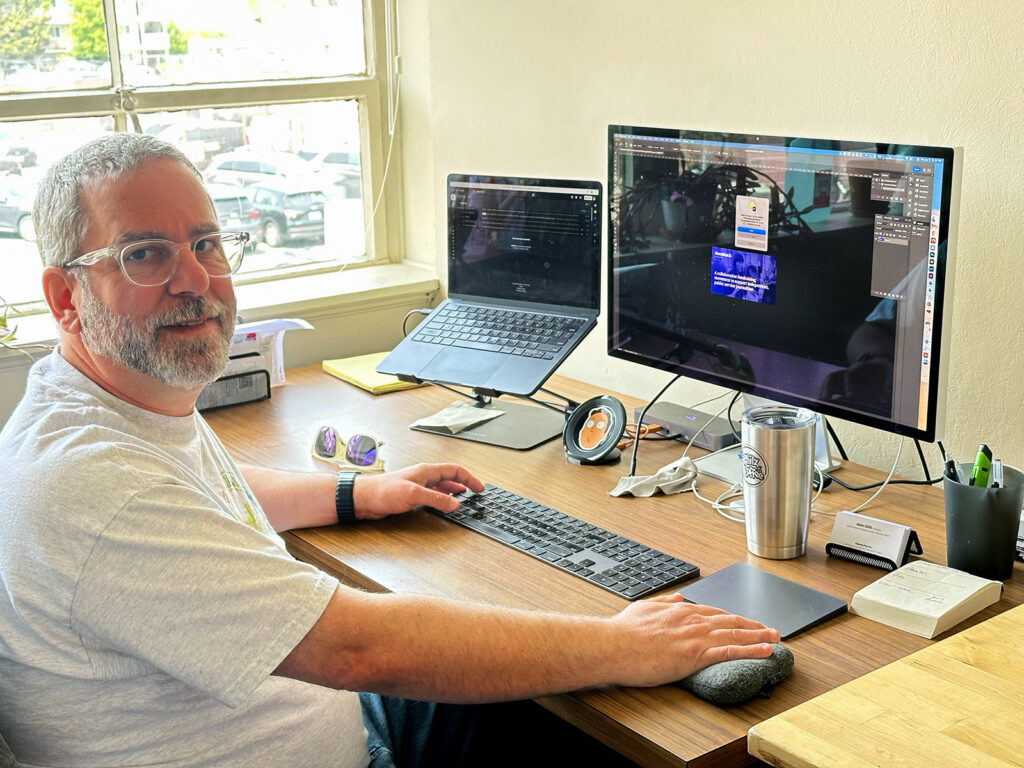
[(705, 426), (887, 479), (387, 161)]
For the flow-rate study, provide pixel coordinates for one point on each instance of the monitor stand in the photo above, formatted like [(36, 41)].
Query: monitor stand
[(522, 427)]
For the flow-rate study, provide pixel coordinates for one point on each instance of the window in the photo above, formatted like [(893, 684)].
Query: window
[(290, 94)]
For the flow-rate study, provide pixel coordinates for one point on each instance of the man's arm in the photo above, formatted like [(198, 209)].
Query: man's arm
[(439, 650), (306, 499)]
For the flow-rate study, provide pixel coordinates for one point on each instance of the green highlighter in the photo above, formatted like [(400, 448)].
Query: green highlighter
[(982, 467)]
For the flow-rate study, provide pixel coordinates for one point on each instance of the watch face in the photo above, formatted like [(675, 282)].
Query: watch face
[(595, 428)]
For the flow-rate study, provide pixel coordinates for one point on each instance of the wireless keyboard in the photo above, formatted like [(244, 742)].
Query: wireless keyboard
[(620, 565)]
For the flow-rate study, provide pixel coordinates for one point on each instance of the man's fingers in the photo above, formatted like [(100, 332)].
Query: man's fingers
[(720, 653)]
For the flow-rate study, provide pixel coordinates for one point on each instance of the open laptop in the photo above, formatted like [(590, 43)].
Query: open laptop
[(524, 275)]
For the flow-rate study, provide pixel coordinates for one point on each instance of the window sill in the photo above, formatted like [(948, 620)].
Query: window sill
[(351, 290)]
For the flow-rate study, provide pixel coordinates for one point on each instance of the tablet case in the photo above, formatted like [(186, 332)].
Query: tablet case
[(774, 601)]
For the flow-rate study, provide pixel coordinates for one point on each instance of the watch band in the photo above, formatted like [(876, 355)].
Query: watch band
[(343, 503)]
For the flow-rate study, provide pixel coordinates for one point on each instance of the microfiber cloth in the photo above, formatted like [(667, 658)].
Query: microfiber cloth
[(672, 478), (733, 682)]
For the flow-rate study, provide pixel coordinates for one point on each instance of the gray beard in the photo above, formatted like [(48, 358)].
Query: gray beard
[(183, 364)]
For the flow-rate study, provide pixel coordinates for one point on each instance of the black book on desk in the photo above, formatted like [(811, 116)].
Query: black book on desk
[(774, 601)]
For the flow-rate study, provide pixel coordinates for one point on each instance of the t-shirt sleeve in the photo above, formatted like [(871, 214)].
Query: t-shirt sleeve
[(202, 597)]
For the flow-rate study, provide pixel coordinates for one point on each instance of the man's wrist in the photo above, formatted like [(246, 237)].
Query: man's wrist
[(344, 503)]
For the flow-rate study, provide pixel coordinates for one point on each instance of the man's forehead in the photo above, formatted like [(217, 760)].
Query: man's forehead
[(160, 199)]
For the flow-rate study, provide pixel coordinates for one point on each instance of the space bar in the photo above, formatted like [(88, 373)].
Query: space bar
[(489, 530), (477, 345)]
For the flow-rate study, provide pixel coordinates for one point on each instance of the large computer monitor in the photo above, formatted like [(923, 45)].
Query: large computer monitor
[(814, 272)]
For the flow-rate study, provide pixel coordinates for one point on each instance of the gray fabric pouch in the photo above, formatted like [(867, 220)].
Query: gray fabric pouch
[(733, 682)]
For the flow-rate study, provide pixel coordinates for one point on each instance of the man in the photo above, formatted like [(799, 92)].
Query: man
[(149, 613)]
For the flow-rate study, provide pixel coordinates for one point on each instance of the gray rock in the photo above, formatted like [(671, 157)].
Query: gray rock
[(733, 682)]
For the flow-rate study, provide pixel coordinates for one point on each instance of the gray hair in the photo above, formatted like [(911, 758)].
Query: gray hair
[(58, 213)]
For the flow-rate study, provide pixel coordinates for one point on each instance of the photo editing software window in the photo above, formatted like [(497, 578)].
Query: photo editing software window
[(538, 242), (797, 269)]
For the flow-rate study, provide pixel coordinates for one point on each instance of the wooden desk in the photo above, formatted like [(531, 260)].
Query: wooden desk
[(955, 703), (421, 553)]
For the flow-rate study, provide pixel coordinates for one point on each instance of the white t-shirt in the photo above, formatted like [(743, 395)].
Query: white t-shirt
[(145, 599)]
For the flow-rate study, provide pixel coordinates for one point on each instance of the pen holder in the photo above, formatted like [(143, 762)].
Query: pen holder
[(982, 523)]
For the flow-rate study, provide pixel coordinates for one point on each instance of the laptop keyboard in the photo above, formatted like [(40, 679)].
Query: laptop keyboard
[(620, 565), (528, 334)]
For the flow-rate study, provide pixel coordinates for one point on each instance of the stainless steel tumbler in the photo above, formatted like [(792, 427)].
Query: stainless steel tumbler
[(778, 463)]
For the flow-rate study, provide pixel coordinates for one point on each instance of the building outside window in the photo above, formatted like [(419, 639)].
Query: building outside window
[(284, 101)]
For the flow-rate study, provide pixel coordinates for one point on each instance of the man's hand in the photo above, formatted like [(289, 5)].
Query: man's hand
[(379, 496), (674, 639)]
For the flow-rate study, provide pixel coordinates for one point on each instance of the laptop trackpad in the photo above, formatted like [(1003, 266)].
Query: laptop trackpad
[(465, 367)]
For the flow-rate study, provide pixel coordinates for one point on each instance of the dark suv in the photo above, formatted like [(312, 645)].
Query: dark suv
[(236, 212), (290, 209)]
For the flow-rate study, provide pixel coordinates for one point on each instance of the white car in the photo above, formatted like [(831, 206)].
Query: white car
[(244, 167)]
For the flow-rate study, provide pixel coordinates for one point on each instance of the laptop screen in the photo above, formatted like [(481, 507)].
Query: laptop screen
[(534, 240)]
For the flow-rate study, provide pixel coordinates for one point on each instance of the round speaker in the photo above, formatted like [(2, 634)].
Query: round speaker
[(592, 431)]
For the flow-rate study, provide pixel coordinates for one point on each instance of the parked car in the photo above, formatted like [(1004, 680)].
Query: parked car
[(23, 155), (236, 212), (200, 140), (290, 209), (243, 167), (343, 168), (16, 207)]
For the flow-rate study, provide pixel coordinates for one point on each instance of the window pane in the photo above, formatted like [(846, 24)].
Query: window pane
[(267, 171), (26, 150), (198, 41), (53, 47)]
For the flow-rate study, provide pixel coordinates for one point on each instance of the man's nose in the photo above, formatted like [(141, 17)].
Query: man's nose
[(189, 276)]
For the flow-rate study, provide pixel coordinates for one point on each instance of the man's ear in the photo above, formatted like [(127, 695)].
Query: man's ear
[(58, 287)]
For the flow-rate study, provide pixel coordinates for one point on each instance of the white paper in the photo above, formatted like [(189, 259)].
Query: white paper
[(458, 416), (267, 338)]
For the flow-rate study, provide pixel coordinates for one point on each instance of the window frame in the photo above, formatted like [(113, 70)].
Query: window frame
[(373, 91)]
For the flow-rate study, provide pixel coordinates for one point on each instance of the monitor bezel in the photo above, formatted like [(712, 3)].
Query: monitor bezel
[(939, 360)]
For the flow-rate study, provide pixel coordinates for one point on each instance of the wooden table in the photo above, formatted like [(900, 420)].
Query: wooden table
[(953, 704), (421, 553)]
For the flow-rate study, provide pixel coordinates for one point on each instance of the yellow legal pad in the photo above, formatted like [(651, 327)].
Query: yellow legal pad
[(361, 371)]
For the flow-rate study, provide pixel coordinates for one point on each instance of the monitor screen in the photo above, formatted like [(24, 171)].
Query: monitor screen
[(808, 271), (525, 239)]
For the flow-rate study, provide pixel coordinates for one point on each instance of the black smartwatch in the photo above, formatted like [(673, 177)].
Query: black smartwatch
[(343, 503)]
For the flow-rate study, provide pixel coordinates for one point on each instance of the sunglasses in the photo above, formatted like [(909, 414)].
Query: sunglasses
[(361, 452)]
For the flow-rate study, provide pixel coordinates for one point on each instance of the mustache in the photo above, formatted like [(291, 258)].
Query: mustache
[(190, 310)]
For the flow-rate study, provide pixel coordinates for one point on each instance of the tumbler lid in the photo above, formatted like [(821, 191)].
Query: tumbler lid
[(779, 417)]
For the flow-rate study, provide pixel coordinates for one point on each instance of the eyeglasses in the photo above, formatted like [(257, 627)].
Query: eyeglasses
[(153, 262), (362, 452)]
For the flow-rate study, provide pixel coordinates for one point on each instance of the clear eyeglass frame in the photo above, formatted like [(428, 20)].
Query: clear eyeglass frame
[(159, 266)]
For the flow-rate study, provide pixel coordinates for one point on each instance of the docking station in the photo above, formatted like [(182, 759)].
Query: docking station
[(679, 420)]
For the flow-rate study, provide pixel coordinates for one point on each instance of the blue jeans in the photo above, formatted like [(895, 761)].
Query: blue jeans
[(416, 734)]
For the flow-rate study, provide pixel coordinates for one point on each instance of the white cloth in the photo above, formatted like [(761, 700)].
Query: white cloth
[(145, 599), (672, 478)]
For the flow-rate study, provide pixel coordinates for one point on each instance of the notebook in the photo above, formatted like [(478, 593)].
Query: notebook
[(774, 601), (524, 274), (361, 372)]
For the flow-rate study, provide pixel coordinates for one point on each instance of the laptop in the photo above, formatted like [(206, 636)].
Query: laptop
[(524, 275)]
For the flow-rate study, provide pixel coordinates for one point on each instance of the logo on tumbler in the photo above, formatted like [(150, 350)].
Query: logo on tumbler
[(755, 468)]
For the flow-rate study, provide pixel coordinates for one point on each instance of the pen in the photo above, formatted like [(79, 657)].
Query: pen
[(982, 467), (952, 471), (997, 474)]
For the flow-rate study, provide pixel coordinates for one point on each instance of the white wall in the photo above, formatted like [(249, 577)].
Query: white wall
[(529, 87)]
